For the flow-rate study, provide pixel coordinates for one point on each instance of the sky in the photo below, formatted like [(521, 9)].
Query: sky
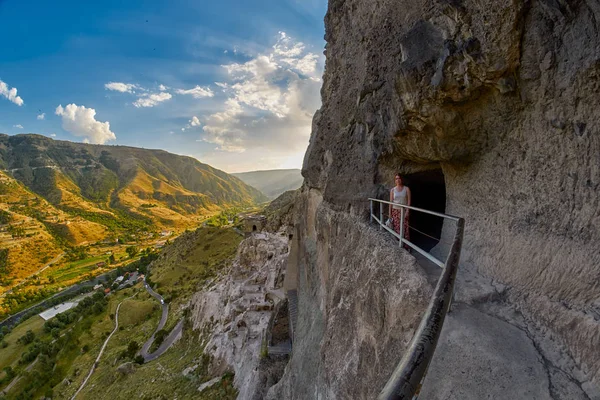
[(233, 83)]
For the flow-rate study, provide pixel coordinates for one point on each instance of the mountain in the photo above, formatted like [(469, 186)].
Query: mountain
[(272, 182), (57, 193)]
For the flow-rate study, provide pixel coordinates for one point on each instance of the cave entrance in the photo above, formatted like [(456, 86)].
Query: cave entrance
[(428, 189), (253, 228)]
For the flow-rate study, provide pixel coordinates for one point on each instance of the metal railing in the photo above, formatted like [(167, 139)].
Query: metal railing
[(407, 378)]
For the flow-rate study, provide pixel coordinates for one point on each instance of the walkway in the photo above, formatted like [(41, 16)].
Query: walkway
[(483, 353), (101, 350)]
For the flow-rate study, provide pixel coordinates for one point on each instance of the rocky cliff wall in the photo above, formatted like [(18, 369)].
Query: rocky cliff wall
[(360, 300), (502, 97), (232, 314)]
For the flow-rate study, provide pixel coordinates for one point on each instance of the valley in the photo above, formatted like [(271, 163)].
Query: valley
[(72, 211), (69, 343)]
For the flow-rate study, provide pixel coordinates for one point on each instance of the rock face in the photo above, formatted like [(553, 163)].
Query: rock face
[(501, 97), (234, 312), (360, 299)]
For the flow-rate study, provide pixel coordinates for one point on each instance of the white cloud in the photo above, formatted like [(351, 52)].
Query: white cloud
[(197, 92), (81, 121), (19, 126), (121, 87), (53, 134), (152, 99), (162, 88), (271, 100), (41, 116), (286, 47), (10, 94), (194, 121)]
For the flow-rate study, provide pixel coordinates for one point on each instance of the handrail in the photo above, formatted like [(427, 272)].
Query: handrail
[(406, 380)]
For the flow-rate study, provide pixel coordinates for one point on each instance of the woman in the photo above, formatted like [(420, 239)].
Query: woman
[(400, 194)]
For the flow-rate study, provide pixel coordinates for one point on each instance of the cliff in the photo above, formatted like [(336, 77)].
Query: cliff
[(488, 109)]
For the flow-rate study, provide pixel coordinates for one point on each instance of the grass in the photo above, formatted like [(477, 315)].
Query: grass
[(134, 312), (193, 259), (11, 354), (161, 379), (74, 270)]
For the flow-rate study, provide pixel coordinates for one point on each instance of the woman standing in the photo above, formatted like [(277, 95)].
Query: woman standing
[(400, 194)]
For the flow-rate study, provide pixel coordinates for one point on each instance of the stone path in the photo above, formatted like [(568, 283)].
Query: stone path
[(483, 354)]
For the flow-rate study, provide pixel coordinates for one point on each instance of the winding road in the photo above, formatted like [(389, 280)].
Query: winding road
[(170, 339)]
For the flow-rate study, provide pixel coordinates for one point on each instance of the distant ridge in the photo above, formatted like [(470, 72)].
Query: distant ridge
[(272, 182), (116, 188)]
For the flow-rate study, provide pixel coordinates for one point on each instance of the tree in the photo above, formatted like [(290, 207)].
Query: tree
[(9, 372), (160, 336), (132, 348), (55, 332), (131, 251), (139, 359), (27, 338)]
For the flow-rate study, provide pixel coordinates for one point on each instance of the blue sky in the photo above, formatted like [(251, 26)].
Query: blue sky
[(232, 83)]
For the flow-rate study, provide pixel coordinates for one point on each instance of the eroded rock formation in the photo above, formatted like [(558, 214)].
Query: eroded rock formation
[(502, 97), (233, 312)]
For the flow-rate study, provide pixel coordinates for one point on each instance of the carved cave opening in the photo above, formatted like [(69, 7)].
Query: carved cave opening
[(428, 189)]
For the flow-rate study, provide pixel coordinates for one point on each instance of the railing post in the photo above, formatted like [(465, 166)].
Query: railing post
[(381, 216), (371, 207), (401, 225)]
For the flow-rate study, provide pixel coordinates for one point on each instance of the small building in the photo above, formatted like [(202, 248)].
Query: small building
[(107, 291), (101, 264), (254, 223), (60, 308), (140, 278), (119, 279), (98, 286)]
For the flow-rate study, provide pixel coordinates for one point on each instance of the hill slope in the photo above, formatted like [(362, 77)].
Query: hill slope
[(57, 194), (272, 182)]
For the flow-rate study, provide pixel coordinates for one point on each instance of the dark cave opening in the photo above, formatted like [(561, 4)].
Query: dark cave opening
[(428, 190)]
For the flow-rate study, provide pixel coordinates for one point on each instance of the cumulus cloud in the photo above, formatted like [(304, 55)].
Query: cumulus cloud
[(163, 88), (152, 99), (10, 94), (41, 116), (53, 134), (81, 121), (121, 87), (19, 126), (194, 121), (197, 92), (271, 100)]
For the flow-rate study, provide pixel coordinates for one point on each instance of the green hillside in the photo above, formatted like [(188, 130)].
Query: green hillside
[(59, 198), (110, 184)]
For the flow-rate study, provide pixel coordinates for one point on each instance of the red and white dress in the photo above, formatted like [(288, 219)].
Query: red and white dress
[(400, 197)]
